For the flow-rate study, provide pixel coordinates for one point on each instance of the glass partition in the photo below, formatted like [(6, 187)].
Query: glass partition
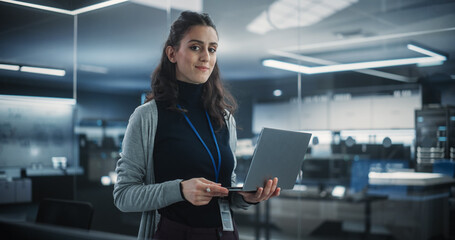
[(36, 52), (37, 107), (39, 157)]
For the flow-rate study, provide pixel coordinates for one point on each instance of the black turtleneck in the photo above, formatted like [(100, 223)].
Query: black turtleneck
[(178, 154)]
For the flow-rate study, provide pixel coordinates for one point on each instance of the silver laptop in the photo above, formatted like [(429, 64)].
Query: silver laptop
[(279, 153)]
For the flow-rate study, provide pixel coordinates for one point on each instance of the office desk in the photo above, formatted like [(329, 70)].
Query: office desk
[(422, 204), (296, 214), (413, 213), (294, 195)]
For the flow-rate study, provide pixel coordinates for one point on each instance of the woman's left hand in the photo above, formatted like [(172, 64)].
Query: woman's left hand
[(262, 194)]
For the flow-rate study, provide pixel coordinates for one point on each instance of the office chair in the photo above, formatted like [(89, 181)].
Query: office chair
[(65, 213)]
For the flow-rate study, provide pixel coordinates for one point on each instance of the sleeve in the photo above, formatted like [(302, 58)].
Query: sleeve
[(236, 199), (131, 194)]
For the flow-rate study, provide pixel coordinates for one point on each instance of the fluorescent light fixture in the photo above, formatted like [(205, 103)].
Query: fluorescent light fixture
[(9, 67), (424, 51), (277, 92), (377, 73), (97, 6), (63, 11), (37, 6), (284, 14), (432, 58), (47, 71), (192, 5), (429, 64)]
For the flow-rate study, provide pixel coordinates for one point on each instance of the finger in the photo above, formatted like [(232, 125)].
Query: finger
[(277, 192), (273, 189), (218, 188), (206, 181), (259, 193), (267, 189), (215, 190), (218, 194), (275, 182)]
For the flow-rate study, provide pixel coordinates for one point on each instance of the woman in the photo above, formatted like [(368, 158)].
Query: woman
[(177, 157)]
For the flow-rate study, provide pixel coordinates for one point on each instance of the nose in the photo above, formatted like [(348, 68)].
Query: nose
[(204, 55)]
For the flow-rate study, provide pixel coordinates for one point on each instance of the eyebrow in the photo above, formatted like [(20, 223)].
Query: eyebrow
[(201, 42)]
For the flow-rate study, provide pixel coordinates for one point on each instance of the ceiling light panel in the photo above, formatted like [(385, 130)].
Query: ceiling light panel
[(285, 14), (97, 6), (63, 11), (37, 6), (432, 58), (9, 67), (192, 5), (46, 71)]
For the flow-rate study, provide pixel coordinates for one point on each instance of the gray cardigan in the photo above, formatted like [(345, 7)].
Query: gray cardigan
[(136, 190)]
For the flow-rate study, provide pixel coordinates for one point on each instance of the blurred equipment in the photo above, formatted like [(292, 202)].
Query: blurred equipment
[(435, 136), (325, 172)]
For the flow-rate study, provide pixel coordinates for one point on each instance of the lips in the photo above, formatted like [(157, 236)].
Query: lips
[(202, 68)]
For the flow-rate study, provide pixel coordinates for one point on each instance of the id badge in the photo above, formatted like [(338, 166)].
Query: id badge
[(225, 213)]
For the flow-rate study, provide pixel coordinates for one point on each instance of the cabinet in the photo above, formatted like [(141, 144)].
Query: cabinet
[(368, 112), (351, 114)]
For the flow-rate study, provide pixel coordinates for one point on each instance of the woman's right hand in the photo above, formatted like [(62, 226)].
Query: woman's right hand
[(199, 191)]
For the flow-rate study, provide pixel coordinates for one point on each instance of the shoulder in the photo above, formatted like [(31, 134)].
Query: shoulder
[(144, 115), (146, 110), (229, 118)]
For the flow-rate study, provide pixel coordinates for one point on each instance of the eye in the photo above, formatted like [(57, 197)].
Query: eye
[(195, 48), (212, 50)]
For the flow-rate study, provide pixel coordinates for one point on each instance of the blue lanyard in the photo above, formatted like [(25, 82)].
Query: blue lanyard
[(217, 170)]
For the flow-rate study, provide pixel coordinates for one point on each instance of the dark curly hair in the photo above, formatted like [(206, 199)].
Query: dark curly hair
[(215, 97)]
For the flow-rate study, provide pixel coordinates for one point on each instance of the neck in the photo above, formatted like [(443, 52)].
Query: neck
[(189, 93)]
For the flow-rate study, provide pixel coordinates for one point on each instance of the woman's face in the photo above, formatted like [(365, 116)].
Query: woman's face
[(196, 55)]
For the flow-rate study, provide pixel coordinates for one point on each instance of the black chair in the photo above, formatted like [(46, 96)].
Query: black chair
[(65, 213)]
